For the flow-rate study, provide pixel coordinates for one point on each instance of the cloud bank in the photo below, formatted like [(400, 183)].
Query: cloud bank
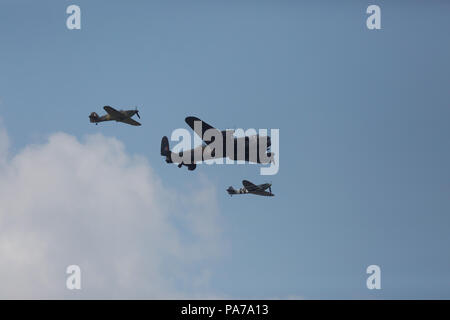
[(91, 204)]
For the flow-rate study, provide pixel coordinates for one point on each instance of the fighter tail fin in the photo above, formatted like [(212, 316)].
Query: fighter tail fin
[(93, 117), (231, 191)]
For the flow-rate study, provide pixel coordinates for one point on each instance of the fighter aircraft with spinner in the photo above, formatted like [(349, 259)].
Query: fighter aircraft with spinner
[(116, 115), (251, 188)]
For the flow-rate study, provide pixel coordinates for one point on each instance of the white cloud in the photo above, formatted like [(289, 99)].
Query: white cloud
[(91, 204), (4, 145)]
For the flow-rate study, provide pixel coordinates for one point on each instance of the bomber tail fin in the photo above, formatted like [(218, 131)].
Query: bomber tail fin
[(165, 151)]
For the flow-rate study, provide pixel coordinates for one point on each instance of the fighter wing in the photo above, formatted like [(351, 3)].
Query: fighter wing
[(115, 115), (130, 121), (201, 128), (250, 186), (262, 193)]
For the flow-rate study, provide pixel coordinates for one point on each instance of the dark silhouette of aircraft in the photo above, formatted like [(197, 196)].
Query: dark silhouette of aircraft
[(249, 145), (249, 187), (119, 116)]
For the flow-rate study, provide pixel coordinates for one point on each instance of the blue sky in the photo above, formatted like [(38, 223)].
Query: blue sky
[(363, 118)]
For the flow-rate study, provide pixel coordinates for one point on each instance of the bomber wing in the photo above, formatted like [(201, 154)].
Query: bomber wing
[(201, 129)]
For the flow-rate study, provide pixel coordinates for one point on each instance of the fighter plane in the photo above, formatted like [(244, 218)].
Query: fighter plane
[(253, 189), (189, 158), (119, 116)]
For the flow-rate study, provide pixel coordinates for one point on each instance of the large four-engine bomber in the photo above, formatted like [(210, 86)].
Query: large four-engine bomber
[(202, 129)]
